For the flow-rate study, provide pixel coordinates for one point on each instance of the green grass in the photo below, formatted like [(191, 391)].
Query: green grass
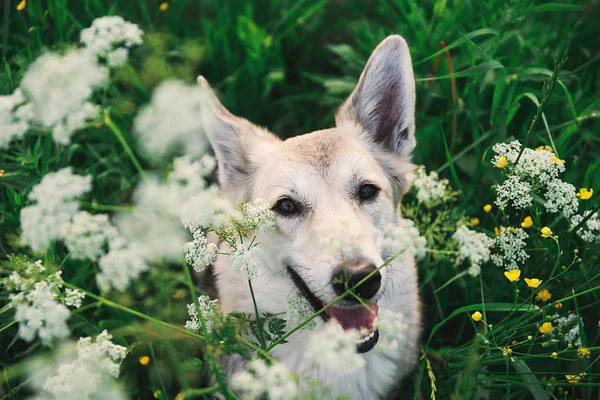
[(288, 65)]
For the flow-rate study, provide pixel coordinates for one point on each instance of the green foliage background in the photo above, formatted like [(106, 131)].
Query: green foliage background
[(288, 65)]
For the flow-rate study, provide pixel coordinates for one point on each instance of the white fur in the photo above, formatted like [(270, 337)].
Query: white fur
[(319, 169)]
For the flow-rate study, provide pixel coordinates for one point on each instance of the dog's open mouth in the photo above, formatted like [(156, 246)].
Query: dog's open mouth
[(356, 317)]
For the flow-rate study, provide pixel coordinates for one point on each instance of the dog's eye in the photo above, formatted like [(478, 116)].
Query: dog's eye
[(286, 207), (367, 191)]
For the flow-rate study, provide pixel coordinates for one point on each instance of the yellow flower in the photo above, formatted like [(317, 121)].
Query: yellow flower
[(533, 282), (573, 378), (546, 232), (527, 222), (498, 230), (475, 221), (546, 147), (502, 162), (476, 316), (558, 305), (544, 295), (1, 172), (546, 327), (487, 208), (157, 394), (513, 275), (21, 6), (506, 351), (557, 160), (584, 352), (164, 6), (144, 360), (554, 354), (585, 193)]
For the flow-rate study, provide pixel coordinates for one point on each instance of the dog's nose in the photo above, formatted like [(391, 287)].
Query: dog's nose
[(346, 277)]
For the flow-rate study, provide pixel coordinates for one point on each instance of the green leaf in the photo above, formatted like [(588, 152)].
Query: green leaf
[(530, 380)]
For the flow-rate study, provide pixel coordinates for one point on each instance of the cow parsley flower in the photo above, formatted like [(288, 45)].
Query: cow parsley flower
[(42, 316), (110, 38), (590, 231), (59, 89), (274, 381), (73, 297), (474, 246), (207, 209), (86, 373), (209, 314), (87, 237), (335, 349), (172, 120), (298, 310), (515, 192), (392, 329), (429, 187), (510, 248), (15, 117), (403, 236), (199, 253), (561, 197), (122, 264), (568, 325), (55, 195), (258, 215), (245, 260)]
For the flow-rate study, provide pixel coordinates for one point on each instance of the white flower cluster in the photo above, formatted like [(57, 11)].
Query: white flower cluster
[(258, 216), (335, 349), (403, 236), (569, 325), (87, 375), (510, 247), (206, 209), (298, 310), (35, 295), (209, 314), (55, 195), (392, 328), (199, 253), (59, 89), (245, 260), (339, 240), (536, 171), (474, 246), (15, 117), (88, 236), (172, 120), (123, 263), (429, 187), (111, 38), (274, 381), (590, 231)]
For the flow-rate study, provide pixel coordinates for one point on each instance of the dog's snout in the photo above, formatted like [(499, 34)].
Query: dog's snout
[(348, 276)]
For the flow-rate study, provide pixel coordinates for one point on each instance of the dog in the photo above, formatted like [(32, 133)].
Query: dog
[(347, 180)]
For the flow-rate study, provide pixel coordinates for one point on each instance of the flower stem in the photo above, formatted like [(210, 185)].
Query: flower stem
[(193, 393), (262, 336), (119, 135)]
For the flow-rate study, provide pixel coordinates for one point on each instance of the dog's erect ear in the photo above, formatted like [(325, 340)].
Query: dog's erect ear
[(383, 102), (238, 144)]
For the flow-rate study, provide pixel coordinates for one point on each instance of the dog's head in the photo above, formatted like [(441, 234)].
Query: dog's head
[(333, 191)]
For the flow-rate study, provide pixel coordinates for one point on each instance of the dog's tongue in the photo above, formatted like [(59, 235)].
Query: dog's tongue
[(354, 318)]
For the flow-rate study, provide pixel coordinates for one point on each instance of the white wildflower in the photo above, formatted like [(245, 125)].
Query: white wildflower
[(199, 253), (392, 329), (297, 310), (258, 216), (48, 220), (274, 381), (335, 349), (15, 117), (569, 326), (85, 374), (474, 246), (209, 314), (73, 297), (474, 270), (339, 240), (245, 260), (111, 37), (172, 120), (560, 197), (590, 231), (403, 236), (510, 248), (42, 316), (87, 237), (121, 265), (515, 192), (207, 209), (429, 187), (188, 176), (59, 88)]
